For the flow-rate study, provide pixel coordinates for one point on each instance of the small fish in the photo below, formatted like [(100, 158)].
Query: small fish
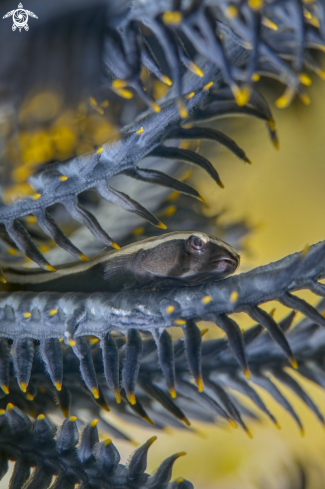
[(174, 259)]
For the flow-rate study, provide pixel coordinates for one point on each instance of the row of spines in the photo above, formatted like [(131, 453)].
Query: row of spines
[(60, 453)]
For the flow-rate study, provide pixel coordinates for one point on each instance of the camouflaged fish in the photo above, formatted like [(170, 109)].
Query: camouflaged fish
[(173, 259)]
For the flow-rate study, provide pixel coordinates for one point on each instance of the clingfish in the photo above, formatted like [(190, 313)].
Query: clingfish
[(174, 259)]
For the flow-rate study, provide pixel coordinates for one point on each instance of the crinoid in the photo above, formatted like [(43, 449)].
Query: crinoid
[(67, 353)]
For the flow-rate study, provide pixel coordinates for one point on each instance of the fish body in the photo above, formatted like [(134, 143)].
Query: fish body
[(174, 259)]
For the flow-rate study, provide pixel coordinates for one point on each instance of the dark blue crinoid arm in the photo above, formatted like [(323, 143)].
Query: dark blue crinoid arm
[(93, 463)]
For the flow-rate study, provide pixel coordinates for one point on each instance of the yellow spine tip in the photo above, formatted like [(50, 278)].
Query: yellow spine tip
[(120, 83), (107, 442), (204, 331), (304, 251), (247, 160), (73, 419), (155, 107), (200, 385), (202, 199), (231, 12), (305, 79), (132, 399), (95, 392), (276, 144), (27, 315), (10, 406), (83, 257), (294, 363), (36, 196), (221, 185), (5, 388), (207, 86), (23, 386), (180, 454), (172, 18), (186, 421), (170, 309), (182, 109), (247, 373), (271, 124), (179, 322), (304, 98), (117, 396), (233, 424), (105, 407), (249, 433), (115, 246), (172, 393), (269, 24), (50, 268), (282, 102), (123, 93), (140, 131), (234, 296), (93, 423), (189, 95), (166, 80), (138, 231), (170, 211), (196, 70), (206, 299), (161, 225), (277, 425), (134, 443), (52, 312), (65, 412), (255, 4), (255, 77), (146, 418), (40, 417), (92, 101), (99, 150), (29, 396), (302, 432), (241, 95), (152, 440), (58, 386), (2, 279), (71, 342), (63, 178)]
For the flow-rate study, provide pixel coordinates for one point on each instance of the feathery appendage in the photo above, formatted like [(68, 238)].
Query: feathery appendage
[(239, 41), (140, 363), (92, 463)]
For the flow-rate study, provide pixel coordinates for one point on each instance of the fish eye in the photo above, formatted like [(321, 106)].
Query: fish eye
[(194, 243)]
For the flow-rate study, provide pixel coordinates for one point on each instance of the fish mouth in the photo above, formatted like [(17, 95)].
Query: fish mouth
[(231, 264)]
